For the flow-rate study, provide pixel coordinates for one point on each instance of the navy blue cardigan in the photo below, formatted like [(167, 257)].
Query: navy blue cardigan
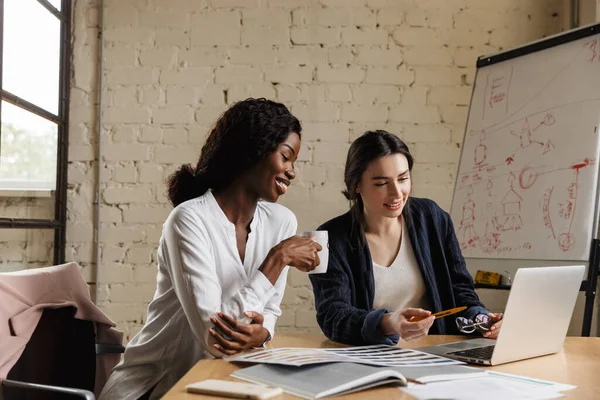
[(344, 294)]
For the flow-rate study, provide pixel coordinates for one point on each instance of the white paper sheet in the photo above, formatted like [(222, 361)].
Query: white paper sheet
[(495, 386), (379, 355)]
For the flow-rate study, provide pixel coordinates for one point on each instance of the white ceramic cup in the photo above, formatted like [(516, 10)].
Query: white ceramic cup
[(321, 237)]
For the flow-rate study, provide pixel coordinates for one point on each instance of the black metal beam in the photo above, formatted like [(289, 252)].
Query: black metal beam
[(24, 223), (590, 294), (26, 105), (60, 211), (488, 286), (539, 45), (52, 9)]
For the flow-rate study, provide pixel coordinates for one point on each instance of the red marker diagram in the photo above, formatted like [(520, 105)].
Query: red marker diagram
[(528, 175), (497, 91), (467, 234)]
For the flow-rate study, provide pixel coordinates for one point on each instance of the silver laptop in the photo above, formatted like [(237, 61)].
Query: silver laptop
[(536, 319)]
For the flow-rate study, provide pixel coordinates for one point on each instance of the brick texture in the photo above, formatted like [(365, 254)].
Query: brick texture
[(342, 66)]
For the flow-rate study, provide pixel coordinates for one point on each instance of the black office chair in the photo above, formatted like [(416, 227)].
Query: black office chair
[(59, 361)]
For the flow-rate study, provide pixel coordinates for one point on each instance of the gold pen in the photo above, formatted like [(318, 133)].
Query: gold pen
[(441, 314)]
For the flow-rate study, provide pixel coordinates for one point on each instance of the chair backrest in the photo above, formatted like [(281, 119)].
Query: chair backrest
[(61, 352)]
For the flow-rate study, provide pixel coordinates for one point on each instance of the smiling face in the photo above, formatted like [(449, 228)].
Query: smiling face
[(385, 186), (272, 176)]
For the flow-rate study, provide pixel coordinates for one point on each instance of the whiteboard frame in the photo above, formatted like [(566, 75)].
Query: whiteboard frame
[(593, 262)]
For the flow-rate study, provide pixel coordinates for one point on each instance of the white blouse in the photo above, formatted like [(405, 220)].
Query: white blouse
[(199, 274), (400, 285)]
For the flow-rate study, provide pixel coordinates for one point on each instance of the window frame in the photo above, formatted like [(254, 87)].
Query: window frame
[(58, 224)]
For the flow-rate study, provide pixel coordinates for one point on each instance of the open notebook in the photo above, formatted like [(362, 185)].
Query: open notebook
[(316, 373), (324, 380)]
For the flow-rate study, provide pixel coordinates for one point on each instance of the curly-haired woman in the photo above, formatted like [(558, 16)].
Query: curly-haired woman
[(223, 252)]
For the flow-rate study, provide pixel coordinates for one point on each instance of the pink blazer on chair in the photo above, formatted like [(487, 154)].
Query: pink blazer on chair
[(23, 297)]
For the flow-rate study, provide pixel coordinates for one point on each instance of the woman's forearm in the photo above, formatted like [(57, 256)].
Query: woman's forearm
[(273, 265)]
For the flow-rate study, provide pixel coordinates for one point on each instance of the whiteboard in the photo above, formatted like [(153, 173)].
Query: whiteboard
[(526, 185)]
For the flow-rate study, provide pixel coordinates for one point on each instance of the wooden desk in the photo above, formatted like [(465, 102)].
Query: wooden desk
[(577, 364)]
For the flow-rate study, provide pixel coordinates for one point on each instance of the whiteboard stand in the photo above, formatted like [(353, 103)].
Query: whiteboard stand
[(527, 189), (590, 287)]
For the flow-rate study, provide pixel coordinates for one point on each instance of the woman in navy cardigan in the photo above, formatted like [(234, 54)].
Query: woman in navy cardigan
[(392, 257)]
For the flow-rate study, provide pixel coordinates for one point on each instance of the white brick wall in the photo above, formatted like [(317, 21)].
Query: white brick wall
[(342, 66), (26, 248)]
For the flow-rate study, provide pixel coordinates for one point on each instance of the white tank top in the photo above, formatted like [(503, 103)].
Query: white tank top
[(401, 284)]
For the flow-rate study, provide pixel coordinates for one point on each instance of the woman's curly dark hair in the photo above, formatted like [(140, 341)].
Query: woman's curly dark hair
[(244, 135)]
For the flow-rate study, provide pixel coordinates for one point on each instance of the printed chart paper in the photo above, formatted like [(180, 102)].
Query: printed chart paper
[(494, 386), (380, 355)]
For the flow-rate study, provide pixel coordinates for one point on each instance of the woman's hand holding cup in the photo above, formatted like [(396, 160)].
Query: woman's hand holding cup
[(300, 252), (322, 238)]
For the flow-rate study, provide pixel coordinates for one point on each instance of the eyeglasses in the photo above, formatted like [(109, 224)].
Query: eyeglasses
[(481, 324)]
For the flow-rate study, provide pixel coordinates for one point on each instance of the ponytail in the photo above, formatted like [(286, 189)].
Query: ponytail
[(184, 185)]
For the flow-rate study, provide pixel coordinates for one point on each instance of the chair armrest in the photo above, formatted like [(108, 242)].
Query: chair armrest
[(104, 348), (86, 394)]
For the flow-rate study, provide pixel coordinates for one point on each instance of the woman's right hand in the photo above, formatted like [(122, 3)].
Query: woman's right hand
[(400, 322), (299, 252)]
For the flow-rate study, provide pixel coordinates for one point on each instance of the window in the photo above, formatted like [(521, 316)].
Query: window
[(30, 72), (27, 150), (34, 87)]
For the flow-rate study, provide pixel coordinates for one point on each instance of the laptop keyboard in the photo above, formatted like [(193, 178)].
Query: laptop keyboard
[(484, 353)]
